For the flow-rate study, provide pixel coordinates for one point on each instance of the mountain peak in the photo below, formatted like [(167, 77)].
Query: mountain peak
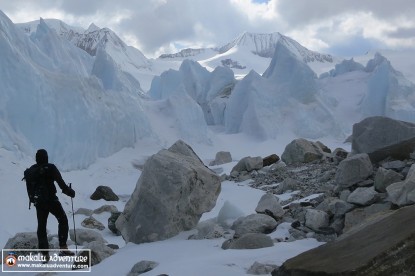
[(92, 28)]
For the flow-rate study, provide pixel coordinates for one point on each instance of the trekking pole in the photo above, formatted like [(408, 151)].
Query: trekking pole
[(73, 217)]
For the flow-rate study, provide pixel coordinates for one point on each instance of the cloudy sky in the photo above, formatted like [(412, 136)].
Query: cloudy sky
[(340, 27)]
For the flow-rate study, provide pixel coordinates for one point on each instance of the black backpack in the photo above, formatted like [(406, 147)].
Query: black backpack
[(36, 183)]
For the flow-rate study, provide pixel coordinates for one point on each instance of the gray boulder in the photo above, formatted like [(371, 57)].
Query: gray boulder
[(261, 269), (174, 190), (315, 219), (84, 236), (22, 240), (360, 215), (270, 205), (142, 267), (247, 164), (111, 223), (353, 170), (99, 251), (92, 223), (249, 241), (254, 223), (106, 208), (301, 151), (335, 206), (222, 157), (384, 178), (104, 192), (382, 137), (403, 193), (363, 196), (385, 248)]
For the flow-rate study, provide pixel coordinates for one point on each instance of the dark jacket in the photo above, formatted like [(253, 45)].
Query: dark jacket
[(52, 175)]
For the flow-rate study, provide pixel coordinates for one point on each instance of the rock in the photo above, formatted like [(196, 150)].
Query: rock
[(335, 206), (353, 170), (361, 215), (363, 196), (286, 185), (250, 241), (142, 267), (271, 159), (84, 236), (382, 137), (104, 192), (99, 252), (301, 151), (228, 214), (261, 269), (323, 147), (92, 223), (315, 219), (173, 191), (208, 229), (222, 157), (384, 178), (22, 240), (270, 205), (339, 155), (84, 211), (113, 246), (385, 248), (403, 193), (255, 223), (111, 223), (248, 164), (396, 165), (106, 208)]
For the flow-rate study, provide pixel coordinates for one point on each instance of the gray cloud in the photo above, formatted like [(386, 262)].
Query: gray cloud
[(403, 33)]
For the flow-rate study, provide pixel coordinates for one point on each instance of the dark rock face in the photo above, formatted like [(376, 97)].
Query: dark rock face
[(104, 192), (383, 137), (381, 247), (271, 159)]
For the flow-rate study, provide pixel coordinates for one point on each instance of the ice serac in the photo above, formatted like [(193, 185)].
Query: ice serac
[(206, 89), (389, 92), (70, 115), (285, 99)]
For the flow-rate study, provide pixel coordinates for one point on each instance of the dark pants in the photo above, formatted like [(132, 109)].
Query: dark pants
[(55, 208)]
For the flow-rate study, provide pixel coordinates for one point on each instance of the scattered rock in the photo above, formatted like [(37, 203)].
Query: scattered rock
[(247, 164), (301, 151), (111, 223), (249, 241), (353, 170), (403, 193), (261, 269), (84, 211), (104, 192), (384, 178), (363, 196), (99, 252), (22, 240), (287, 185), (142, 267), (92, 223), (208, 229), (106, 208), (339, 155), (270, 205), (84, 236), (381, 251), (173, 191), (222, 157), (255, 223), (315, 219), (271, 159), (383, 137), (396, 165)]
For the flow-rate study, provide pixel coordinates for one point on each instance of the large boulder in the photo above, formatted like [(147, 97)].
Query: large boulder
[(301, 151), (270, 205), (249, 241), (383, 137), (248, 164), (23, 240), (382, 247), (384, 178), (363, 196), (353, 170), (254, 223), (104, 192), (222, 157), (173, 191), (315, 219), (403, 193)]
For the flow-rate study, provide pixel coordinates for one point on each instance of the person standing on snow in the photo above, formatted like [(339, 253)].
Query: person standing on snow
[(41, 188)]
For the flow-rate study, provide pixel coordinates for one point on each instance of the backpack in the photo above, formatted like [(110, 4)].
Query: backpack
[(36, 184)]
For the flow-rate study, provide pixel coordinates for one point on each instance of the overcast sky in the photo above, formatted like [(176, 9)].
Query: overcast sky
[(340, 27)]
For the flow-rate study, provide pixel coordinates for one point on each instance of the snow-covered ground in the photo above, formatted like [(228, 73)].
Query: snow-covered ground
[(178, 255)]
